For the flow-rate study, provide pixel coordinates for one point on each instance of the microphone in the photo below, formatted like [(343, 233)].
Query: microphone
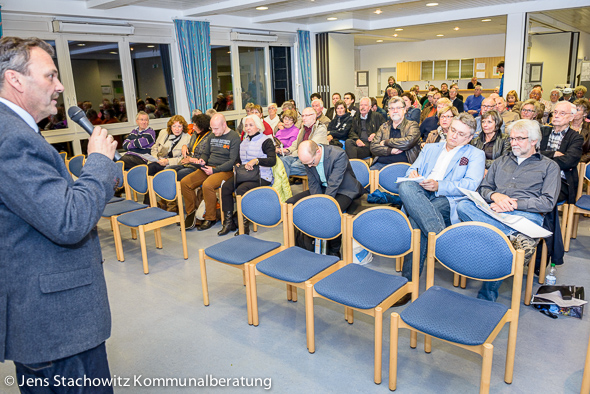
[(78, 116)]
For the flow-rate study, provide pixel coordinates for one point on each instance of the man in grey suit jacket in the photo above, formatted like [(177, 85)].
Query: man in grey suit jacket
[(54, 310), (328, 172)]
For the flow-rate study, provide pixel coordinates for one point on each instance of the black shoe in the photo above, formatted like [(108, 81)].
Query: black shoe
[(228, 224), (206, 224), (191, 220), (246, 228), (404, 300)]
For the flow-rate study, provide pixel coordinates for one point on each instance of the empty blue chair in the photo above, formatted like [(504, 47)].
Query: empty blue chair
[(263, 207), (361, 172), (75, 165), (384, 231), (387, 177), (475, 250), (165, 186), (136, 181), (318, 216)]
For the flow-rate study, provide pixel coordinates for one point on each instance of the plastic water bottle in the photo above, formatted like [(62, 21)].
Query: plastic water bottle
[(551, 277)]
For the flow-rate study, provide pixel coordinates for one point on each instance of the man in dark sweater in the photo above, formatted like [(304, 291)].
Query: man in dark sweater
[(364, 126), (221, 153)]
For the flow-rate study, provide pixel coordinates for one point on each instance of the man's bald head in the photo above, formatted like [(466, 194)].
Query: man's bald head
[(219, 125)]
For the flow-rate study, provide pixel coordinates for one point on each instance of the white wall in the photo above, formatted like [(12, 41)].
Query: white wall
[(374, 57), (341, 65), (150, 81), (553, 50)]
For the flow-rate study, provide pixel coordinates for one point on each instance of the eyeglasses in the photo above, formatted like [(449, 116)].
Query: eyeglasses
[(395, 109), (447, 117), (518, 139), (488, 106), (312, 161), (561, 113), (530, 111), (462, 135)]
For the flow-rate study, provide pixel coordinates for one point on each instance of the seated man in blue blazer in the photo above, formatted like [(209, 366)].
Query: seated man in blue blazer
[(328, 172), (447, 165)]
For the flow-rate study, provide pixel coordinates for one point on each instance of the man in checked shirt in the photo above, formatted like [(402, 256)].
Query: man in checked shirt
[(564, 146)]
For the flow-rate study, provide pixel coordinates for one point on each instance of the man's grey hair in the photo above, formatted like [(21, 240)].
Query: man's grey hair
[(531, 127), (365, 98), (320, 100), (468, 120), (15, 54), (396, 99)]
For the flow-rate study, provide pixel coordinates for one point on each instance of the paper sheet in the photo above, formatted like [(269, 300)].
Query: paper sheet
[(406, 179), (519, 223), (555, 298)]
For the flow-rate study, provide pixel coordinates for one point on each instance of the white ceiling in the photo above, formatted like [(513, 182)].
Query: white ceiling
[(419, 21)]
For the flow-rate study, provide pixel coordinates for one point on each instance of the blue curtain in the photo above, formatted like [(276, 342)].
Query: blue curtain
[(0, 21), (305, 63), (194, 42)]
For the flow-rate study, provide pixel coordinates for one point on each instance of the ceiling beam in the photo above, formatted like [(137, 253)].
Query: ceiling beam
[(225, 6), (109, 4), (328, 9)]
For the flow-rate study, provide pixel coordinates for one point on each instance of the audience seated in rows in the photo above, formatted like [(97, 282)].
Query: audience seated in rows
[(339, 127), (446, 115), (138, 144), (473, 103), (191, 152), (491, 139), (289, 133)]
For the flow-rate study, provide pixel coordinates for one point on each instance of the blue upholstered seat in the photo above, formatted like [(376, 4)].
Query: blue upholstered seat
[(454, 317), (359, 287), (295, 265), (584, 202), (241, 249), (115, 199), (361, 171), (144, 216), (121, 207), (75, 165), (388, 176)]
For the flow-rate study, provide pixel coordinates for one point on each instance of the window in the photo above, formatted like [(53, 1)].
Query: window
[(453, 69), (253, 76), (152, 73), (58, 121), (427, 70), (466, 68), (440, 69), (282, 89), (96, 69), (221, 77)]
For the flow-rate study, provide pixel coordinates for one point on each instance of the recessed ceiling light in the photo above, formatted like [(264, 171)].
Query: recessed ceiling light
[(379, 40), (262, 8), (113, 53), (395, 35), (377, 11), (131, 48), (431, 4), (440, 35), (332, 18), (81, 45), (399, 29), (151, 46), (486, 20), (456, 28)]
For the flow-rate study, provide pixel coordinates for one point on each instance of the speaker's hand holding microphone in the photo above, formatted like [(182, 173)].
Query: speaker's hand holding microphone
[(100, 141)]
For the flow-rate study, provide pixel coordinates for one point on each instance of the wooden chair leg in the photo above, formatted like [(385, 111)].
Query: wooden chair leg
[(586, 377), (204, 277), (293, 293), (146, 269), (289, 293), (463, 282), (510, 352), (569, 228), (117, 238), (158, 235), (393, 340), (309, 323), (564, 217), (398, 263), (244, 277), (456, 278), (184, 244), (254, 227), (543, 265), (427, 343), (248, 292), (133, 233), (253, 296), (378, 343), (530, 276), (575, 227), (486, 368)]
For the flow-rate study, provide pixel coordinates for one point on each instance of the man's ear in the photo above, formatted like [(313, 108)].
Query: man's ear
[(13, 78)]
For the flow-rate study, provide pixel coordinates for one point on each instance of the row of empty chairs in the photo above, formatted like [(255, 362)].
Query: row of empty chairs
[(470, 322)]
